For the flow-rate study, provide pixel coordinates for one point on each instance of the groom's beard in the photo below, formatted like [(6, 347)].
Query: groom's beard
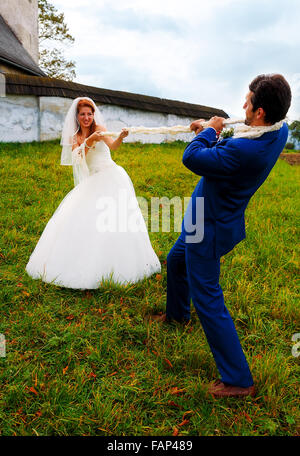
[(249, 119)]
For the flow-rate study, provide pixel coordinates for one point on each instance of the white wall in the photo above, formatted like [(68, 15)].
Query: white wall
[(30, 118), (19, 119), (117, 117), (22, 17), (52, 111)]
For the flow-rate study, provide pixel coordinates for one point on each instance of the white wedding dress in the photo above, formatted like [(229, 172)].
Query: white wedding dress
[(97, 232)]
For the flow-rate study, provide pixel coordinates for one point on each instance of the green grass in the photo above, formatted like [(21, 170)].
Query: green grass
[(86, 362)]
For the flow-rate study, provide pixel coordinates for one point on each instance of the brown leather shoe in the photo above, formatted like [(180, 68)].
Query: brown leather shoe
[(162, 317), (220, 389)]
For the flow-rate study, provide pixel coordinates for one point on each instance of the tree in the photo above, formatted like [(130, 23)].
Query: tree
[(294, 128), (52, 28)]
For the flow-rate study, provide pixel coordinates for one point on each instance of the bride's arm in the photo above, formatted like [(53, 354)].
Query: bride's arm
[(112, 144)]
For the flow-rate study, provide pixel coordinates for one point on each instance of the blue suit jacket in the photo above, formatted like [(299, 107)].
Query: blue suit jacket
[(232, 170)]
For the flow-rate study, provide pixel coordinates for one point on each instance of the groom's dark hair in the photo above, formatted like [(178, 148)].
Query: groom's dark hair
[(272, 93)]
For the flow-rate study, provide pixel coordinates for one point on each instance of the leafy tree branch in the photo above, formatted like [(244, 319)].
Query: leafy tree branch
[(52, 28)]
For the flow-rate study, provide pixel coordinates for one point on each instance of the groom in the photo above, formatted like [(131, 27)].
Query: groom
[(232, 170)]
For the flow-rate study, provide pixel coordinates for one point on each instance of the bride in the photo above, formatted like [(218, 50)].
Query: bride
[(98, 231)]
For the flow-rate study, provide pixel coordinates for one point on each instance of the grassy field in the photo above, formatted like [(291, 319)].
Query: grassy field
[(292, 151), (87, 362)]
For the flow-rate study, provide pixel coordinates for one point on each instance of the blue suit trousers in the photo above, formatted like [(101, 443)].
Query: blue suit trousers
[(191, 276)]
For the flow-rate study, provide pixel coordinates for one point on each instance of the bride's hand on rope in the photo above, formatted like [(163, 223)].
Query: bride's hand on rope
[(96, 136), (124, 133)]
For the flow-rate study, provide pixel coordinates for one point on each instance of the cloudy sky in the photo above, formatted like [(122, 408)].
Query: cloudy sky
[(203, 52)]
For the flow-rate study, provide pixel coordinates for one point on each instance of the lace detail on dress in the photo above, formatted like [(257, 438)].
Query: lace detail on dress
[(80, 167), (98, 158)]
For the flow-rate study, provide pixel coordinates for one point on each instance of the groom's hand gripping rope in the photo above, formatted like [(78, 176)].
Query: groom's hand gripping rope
[(215, 122)]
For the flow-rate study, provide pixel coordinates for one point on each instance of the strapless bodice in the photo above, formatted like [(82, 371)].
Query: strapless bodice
[(98, 157)]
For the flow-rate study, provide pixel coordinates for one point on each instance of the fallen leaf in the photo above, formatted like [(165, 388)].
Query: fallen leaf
[(173, 404), (247, 417), (65, 369), (187, 413), (168, 362), (101, 429), (33, 390), (175, 431), (175, 391), (184, 422)]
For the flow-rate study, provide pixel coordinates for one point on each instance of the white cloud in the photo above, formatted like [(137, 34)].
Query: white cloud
[(203, 52)]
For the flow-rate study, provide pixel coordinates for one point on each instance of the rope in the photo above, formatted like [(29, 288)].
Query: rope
[(166, 130)]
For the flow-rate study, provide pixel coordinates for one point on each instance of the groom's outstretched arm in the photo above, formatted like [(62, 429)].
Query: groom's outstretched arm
[(206, 158)]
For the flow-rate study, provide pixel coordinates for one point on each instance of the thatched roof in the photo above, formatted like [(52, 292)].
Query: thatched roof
[(13, 53), (51, 87)]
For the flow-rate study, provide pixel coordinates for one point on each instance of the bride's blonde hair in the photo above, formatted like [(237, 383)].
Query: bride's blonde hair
[(86, 104)]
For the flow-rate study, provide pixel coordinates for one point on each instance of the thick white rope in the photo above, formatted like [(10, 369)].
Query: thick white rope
[(166, 130), (241, 131)]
